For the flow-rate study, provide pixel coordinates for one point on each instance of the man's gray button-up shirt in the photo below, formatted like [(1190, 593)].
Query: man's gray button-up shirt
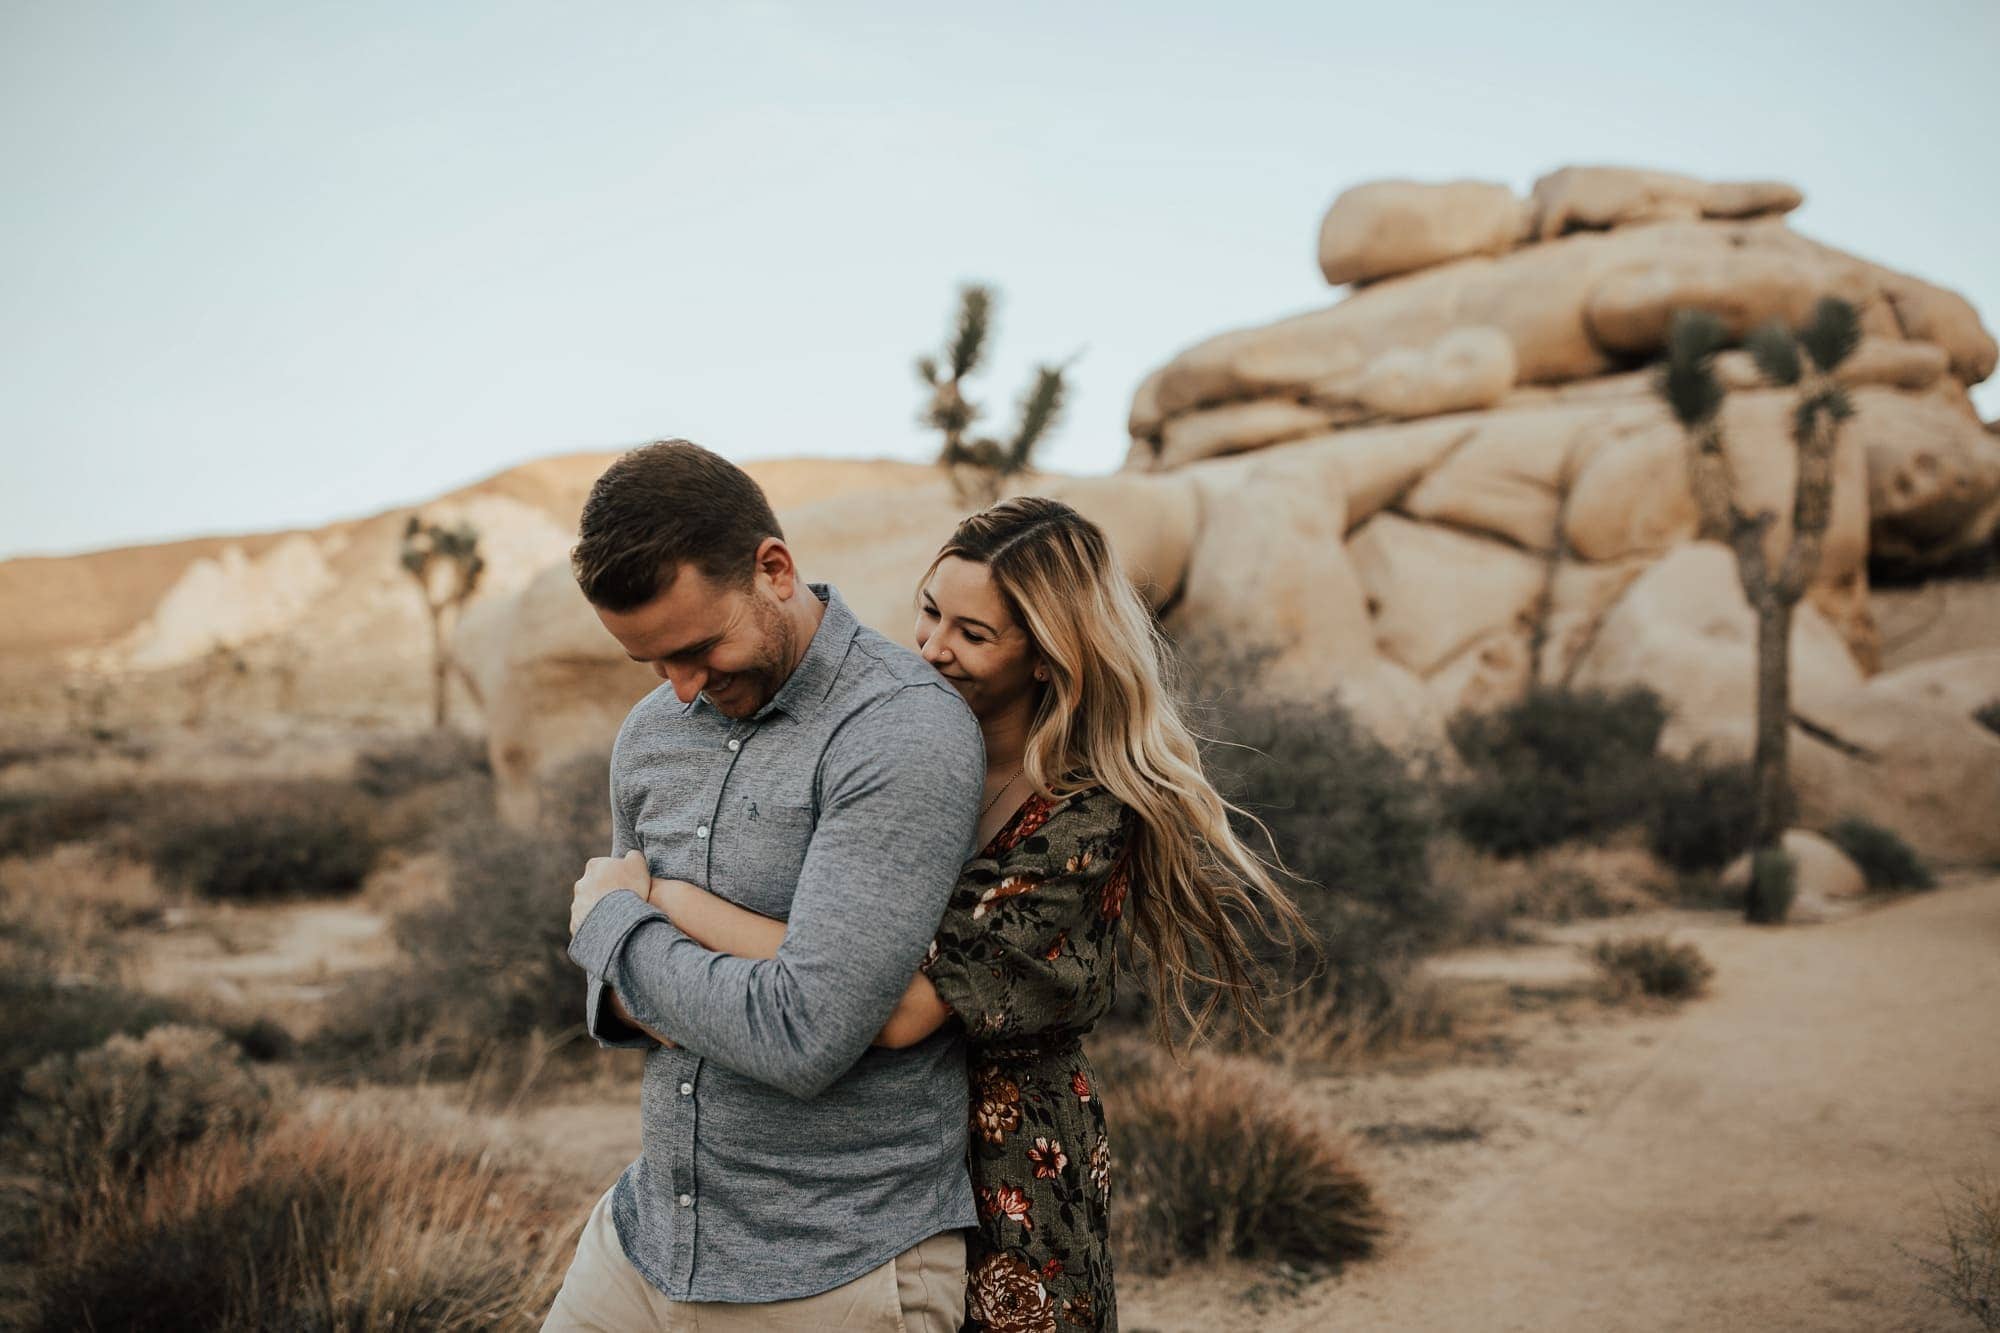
[(784, 1155)]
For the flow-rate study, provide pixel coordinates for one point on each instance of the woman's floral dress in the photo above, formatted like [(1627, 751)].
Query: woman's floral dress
[(1024, 957)]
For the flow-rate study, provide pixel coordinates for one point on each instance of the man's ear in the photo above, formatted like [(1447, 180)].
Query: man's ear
[(774, 562)]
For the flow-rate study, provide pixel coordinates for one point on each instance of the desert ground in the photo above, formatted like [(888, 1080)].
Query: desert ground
[(1771, 1154)]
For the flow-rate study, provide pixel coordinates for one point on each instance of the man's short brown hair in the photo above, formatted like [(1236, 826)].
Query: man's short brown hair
[(659, 507)]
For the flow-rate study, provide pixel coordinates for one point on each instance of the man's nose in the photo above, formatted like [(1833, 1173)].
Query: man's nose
[(687, 681)]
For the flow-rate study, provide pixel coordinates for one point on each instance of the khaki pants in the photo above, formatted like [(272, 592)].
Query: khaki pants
[(921, 1290)]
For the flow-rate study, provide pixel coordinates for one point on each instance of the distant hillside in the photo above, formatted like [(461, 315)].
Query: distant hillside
[(308, 620)]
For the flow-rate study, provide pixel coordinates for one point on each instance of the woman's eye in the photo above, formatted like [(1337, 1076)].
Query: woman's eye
[(974, 638)]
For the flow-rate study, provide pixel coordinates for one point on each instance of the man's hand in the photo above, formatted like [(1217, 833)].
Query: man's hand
[(602, 875)]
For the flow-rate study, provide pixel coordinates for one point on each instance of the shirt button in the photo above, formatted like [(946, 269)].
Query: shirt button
[(701, 832), (735, 744), (687, 1089), (687, 1200)]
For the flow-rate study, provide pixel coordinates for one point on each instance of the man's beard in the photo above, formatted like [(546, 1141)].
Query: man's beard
[(752, 686)]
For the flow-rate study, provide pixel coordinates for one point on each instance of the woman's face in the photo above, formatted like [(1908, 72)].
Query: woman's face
[(965, 631)]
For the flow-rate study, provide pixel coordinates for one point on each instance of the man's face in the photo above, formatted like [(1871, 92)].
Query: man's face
[(732, 644)]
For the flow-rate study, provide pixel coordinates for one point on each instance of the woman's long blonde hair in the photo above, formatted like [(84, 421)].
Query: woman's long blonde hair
[(1107, 717)]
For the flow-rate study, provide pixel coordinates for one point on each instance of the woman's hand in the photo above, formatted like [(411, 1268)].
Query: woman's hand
[(602, 875)]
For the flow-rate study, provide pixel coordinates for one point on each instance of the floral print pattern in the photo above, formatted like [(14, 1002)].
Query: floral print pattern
[(1024, 957)]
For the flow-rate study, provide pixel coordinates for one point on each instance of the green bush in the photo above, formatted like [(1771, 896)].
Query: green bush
[(1774, 882), (1221, 1160), (1555, 766), (1353, 826), (1652, 965), (427, 759), (1704, 814), (1886, 861), (254, 841), (111, 1113)]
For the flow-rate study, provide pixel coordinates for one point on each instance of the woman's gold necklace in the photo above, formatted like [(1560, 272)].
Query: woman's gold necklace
[(1002, 792)]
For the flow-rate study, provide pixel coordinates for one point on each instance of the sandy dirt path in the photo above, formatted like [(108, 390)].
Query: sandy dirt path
[(1754, 1168)]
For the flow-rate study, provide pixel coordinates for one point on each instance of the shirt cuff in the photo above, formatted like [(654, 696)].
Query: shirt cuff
[(604, 1025), (595, 948)]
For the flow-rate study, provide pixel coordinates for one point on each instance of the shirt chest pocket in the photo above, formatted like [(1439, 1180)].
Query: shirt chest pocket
[(760, 846)]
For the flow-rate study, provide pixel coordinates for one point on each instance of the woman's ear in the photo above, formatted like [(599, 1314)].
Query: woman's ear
[(1042, 671)]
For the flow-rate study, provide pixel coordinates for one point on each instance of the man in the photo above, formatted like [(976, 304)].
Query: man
[(805, 767)]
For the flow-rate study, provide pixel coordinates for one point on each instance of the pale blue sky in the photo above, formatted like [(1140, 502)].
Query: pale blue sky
[(266, 265)]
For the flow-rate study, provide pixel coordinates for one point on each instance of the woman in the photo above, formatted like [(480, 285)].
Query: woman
[(1096, 806)]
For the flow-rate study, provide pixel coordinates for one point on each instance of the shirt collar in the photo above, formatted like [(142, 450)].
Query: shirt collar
[(813, 677)]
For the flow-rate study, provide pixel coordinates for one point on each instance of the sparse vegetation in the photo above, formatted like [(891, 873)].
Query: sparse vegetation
[(428, 759), (32, 822), (1651, 965), (90, 1120), (44, 1012), (1220, 1159), (1967, 1278), (1353, 826), (446, 565), (1774, 883), (979, 466), (1886, 861), (1559, 765), (1704, 813), (254, 841), (317, 1223), (1568, 882), (1806, 358), (1988, 716), (488, 961)]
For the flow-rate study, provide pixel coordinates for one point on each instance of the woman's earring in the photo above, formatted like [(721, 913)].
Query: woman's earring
[(1041, 673)]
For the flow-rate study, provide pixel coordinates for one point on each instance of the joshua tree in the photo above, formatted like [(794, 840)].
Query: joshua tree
[(1689, 385), (977, 467), (446, 564)]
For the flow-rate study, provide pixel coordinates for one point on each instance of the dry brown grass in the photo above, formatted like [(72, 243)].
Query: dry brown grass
[(1312, 1028), (1967, 1276), (329, 1221), (1220, 1159), (78, 899), (1570, 881), (1652, 966)]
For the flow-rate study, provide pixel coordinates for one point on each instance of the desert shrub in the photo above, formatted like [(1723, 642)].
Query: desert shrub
[(261, 1039), (97, 1116), (250, 841), (1774, 883), (426, 759), (1221, 1159), (32, 822), (41, 1016), (1353, 826), (1967, 1278), (489, 960), (316, 1224), (1988, 715), (1564, 883), (1652, 965), (1886, 861), (1557, 765), (1704, 813)]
